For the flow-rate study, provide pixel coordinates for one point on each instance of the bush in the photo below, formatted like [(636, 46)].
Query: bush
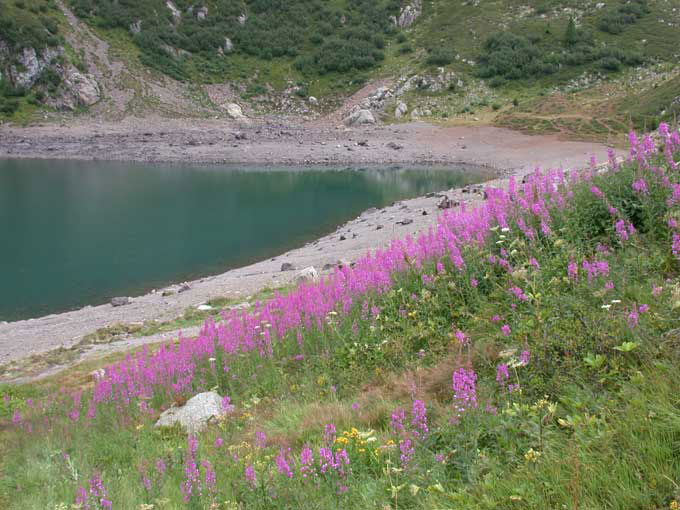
[(440, 57), (8, 106), (615, 21)]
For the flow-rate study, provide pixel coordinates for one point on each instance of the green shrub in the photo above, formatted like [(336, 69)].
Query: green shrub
[(440, 57)]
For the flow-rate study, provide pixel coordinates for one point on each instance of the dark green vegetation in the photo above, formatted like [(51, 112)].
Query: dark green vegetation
[(594, 423), (320, 37)]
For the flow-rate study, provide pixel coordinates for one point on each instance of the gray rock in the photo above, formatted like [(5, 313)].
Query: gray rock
[(136, 27), (83, 87), (234, 111), (405, 221), (202, 13), (195, 414), (395, 146), (400, 110), (287, 266), (242, 18), (30, 66), (307, 275), (120, 301), (313, 100), (184, 287), (173, 9), (359, 118), (409, 14), (228, 45)]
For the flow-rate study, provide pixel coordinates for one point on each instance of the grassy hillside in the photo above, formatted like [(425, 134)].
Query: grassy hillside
[(521, 355), (504, 60)]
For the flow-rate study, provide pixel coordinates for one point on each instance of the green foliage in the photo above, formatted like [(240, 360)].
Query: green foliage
[(616, 20), (21, 29), (322, 38), (440, 57)]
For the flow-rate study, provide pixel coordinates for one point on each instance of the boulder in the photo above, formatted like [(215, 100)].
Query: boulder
[(202, 13), (195, 414), (395, 146), (400, 110), (313, 100), (409, 14), (307, 275), (83, 87), (242, 18), (173, 9), (359, 118), (234, 111), (228, 45), (31, 64), (287, 266), (136, 27), (120, 301)]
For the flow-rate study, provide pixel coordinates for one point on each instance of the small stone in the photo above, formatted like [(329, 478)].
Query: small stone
[(184, 287), (120, 301), (204, 308), (379, 227), (287, 266), (405, 221)]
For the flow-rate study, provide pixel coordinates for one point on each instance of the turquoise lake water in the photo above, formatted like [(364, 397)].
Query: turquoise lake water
[(77, 233)]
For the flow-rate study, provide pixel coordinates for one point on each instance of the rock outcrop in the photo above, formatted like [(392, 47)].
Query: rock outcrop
[(409, 14), (234, 111), (359, 118), (83, 87), (196, 414)]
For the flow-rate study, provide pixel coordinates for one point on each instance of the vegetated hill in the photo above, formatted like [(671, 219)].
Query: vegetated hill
[(522, 355), (449, 60)]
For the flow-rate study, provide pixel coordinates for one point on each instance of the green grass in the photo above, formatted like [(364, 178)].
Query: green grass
[(595, 422)]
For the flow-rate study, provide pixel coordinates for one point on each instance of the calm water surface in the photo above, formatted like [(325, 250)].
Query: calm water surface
[(77, 233)]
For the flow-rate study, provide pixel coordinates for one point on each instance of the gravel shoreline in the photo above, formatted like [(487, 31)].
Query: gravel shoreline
[(219, 142)]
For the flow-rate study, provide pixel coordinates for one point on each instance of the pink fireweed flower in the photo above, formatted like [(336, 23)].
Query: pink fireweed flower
[(419, 419), (633, 319), (465, 388), (502, 375), (496, 318), (640, 186), (226, 405), (609, 285), (596, 191), (261, 438), (621, 230), (209, 477), (518, 293), (329, 434), (534, 263), (675, 248), (474, 283), (307, 462), (505, 329), (397, 421), (656, 291), (219, 442), (407, 451), (525, 357), (282, 465), (160, 467), (643, 308), (572, 271), (461, 337), (16, 418), (251, 477), (440, 268)]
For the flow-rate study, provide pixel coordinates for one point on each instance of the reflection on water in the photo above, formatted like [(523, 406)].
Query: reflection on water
[(77, 233)]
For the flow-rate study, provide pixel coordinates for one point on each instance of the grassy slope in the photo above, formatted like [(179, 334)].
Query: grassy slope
[(593, 424)]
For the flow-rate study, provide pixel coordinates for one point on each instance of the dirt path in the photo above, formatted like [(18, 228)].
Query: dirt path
[(509, 152)]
